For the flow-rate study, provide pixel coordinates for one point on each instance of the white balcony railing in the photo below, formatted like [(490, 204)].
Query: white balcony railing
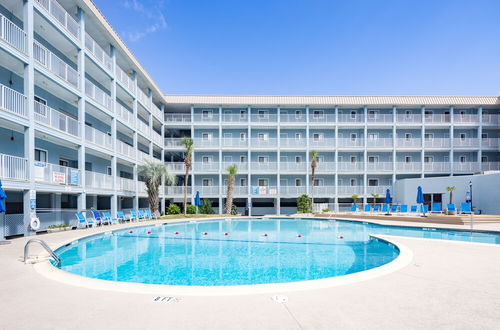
[(98, 138), (56, 174), (206, 143), (98, 53), (411, 118), (56, 119), (293, 118), (126, 184), (125, 80), (490, 142), (157, 138), (61, 15), (349, 190), (467, 142), (379, 142), (13, 101), (13, 34), (321, 118), (234, 118), (379, 167), (490, 118), (176, 167), (242, 166), (347, 142), (206, 118), (98, 180), (292, 190), (125, 149), (143, 157), (292, 143), (13, 168), (237, 190), (98, 95), (173, 143), (380, 118), (177, 190), (141, 187), (54, 64), (323, 190), (351, 118), (437, 167), (409, 143), (157, 111), (264, 118), (264, 143), (234, 142), (490, 166), (381, 190), (264, 190), (437, 143), (208, 190), (466, 119), (143, 98), (437, 118), (126, 116), (143, 128), (321, 143), (465, 167), (178, 118), (350, 166), (263, 166), (325, 166), (293, 167), (409, 167), (206, 167)]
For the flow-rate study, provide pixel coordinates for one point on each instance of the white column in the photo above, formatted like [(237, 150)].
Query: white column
[(365, 156), (423, 141), (193, 192), (336, 159), (480, 139), (114, 171), (452, 136), (222, 168), (278, 162), (394, 138), (82, 204), (307, 151), (135, 203)]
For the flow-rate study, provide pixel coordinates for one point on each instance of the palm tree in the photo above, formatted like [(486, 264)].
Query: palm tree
[(354, 198), (375, 196), (451, 189), (188, 143), (153, 172), (314, 162), (231, 173)]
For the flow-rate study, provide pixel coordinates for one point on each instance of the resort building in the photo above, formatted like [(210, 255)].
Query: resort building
[(78, 115)]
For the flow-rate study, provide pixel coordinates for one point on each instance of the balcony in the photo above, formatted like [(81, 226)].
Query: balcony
[(294, 191), (96, 180), (61, 15), (377, 190), (157, 138), (349, 190), (125, 80), (54, 64), (379, 142), (141, 187), (411, 118), (323, 191), (353, 143), (206, 118), (321, 143), (293, 118), (206, 143), (490, 118), (178, 118), (143, 128), (350, 166), (177, 191), (490, 142), (380, 118), (379, 167), (351, 118), (143, 98), (173, 143), (126, 116), (208, 190), (234, 142), (13, 35), (292, 143), (264, 190), (177, 167), (125, 184), (206, 167), (466, 119), (242, 166), (437, 118), (143, 157), (157, 111), (56, 174), (437, 167), (321, 118), (264, 143), (437, 143), (263, 166), (264, 118), (99, 55), (13, 168), (55, 119), (490, 166), (293, 167), (98, 138), (465, 143), (325, 166), (409, 166), (237, 190), (13, 101), (235, 118), (98, 95), (125, 149), (409, 143), (465, 167)]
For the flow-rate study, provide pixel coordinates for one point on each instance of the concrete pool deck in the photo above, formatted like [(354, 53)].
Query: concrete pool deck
[(446, 285)]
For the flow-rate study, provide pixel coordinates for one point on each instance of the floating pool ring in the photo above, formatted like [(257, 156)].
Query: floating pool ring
[(35, 223)]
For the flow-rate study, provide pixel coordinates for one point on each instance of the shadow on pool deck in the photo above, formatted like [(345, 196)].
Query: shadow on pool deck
[(430, 218)]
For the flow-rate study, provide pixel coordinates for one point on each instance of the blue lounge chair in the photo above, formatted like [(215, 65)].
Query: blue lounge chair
[(108, 217), (150, 214), (436, 208), (424, 208), (413, 209), (394, 208), (376, 208), (82, 221), (367, 208), (465, 208), (143, 215), (451, 208), (385, 208), (121, 216), (403, 209), (354, 208), (98, 218), (133, 215)]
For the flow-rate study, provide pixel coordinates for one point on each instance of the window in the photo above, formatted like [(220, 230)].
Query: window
[(263, 182), (63, 162), (206, 114), (243, 136), (318, 137), (484, 136), (462, 113), (428, 114), (353, 114), (298, 114), (228, 159), (207, 182), (263, 114), (463, 136), (318, 182), (243, 182), (373, 182), (372, 114), (428, 159), (298, 136), (463, 159), (484, 159), (354, 182), (263, 159), (408, 114), (407, 136), (354, 136), (372, 159), (206, 136), (206, 159), (88, 166), (243, 159), (428, 136), (40, 106), (320, 159), (263, 136), (109, 170), (407, 159), (298, 159), (353, 159), (318, 114), (372, 136), (226, 182), (41, 155), (40, 100), (243, 114), (298, 182)]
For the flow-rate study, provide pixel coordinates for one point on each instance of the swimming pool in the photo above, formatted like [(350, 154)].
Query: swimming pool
[(242, 251)]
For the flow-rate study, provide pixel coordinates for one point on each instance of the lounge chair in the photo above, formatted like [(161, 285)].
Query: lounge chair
[(465, 208), (98, 218), (413, 209), (367, 208), (108, 217), (82, 221), (133, 215), (143, 215), (151, 215), (376, 208), (436, 208), (385, 208), (354, 208), (403, 209), (451, 208), (394, 208), (121, 216), (424, 208)]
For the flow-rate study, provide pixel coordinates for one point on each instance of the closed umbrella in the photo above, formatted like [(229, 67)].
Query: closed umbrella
[(388, 200), (197, 200), (420, 198), (3, 196)]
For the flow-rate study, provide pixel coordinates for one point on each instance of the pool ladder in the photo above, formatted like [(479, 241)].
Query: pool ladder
[(44, 245)]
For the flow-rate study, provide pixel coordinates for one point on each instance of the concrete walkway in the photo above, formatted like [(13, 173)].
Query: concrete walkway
[(447, 285)]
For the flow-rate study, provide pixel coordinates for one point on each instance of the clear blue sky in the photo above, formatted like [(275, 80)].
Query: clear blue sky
[(314, 47)]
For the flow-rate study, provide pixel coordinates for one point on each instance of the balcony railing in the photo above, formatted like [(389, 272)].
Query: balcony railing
[(141, 187), (377, 190), (293, 118), (54, 64), (321, 118), (264, 143), (177, 190), (237, 190), (235, 142), (346, 142), (56, 174), (13, 101), (98, 95), (321, 143), (467, 142), (143, 98), (125, 80), (61, 15), (379, 167), (56, 119), (325, 166), (409, 167), (466, 119), (126, 184), (409, 143), (292, 190), (263, 166), (206, 118), (234, 118), (206, 143), (13, 168), (351, 118), (157, 138), (264, 190), (208, 190), (176, 167), (465, 167), (350, 166), (323, 190), (437, 167), (173, 143), (13, 34), (143, 127), (206, 167), (379, 142), (242, 166), (490, 142), (437, 118), (293, 167), (125, 149), (98, 180), (125, 115), (380, 118), (490, 166), (143, 157), (157, 111), (98, 53), (412, 118), (350, 190), (490, 118), (437, 143), (97, 137), (264, 118), (178, 118)]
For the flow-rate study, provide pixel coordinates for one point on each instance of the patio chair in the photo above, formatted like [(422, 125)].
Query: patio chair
[(413, 209), (108, 217), (436, 208), (354, 208), (376, 208), (121, 216), (98, 218), (367, 208), (143, 215), (82, 221), (385, 208), (465, 208), (133, 215), (150, 214), (424, 208), (403, 209), (394, 208), (451, 208)]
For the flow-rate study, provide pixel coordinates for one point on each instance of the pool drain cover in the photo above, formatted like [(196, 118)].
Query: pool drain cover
[(280, 298)]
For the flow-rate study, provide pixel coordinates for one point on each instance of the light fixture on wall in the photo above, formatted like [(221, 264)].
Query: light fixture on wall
[(12, 136)]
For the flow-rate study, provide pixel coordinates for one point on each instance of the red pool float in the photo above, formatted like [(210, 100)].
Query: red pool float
[(205, 233), (341, 237), (226, 234), (265, 235), (177, 233), (131, 231), (299, 235), (149, 232)]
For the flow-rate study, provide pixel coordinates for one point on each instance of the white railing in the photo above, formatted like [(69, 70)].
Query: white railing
[(54, 64), (437, 118), (466, 118), (379, 142), (263, 166), (125, 149), (264, 190), (98, 95), (56, 119), (177, 190), (125, 115), (292, 143), (242, 166), (176, 167), (379, 167), (237, 190), (210, 117), (13, 34), (208, 190), (97, 137), (143, 157), (173, 143), (377, 190), (266, 118), (98, 53), (56, 174), (490, 166), (323, 190), (264, 143), (467, 142), (234, 142), (157, 111), (321, 118), (348, 118), (61, 15), (437, 143), (157, 138), (349, 190), (437, 167), (125, 80), (293, 167), (98, 180), (206, 143), (13, 168), (490, 142), (178, 118), (325, 166), (292, 190), (234, 118), (490, 118), (349, 167), (380, 118), (321, 143), (141, 187), (143, 98), (409, 167), (125, 184), (409, 143), (465, 167), (293, 118), (143, 128), (409, 118), (206, 167), (346, 142), (13, 101)]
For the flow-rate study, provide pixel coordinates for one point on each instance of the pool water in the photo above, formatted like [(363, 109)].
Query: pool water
[(241, 251)]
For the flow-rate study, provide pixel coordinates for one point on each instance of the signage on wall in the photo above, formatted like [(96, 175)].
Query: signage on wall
[(39, 170), (73, 177), (59, 177), (467, 196)]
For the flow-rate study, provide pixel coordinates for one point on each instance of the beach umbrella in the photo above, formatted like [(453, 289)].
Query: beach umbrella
[(420, 197), (388, 200), (3, 196), (197, 200)]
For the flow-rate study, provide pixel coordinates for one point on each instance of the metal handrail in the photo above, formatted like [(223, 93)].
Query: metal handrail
[(44, 245)]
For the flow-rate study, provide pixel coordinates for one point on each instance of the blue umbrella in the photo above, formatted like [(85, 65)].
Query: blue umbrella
[(420, 198), (197, 199), (388, 200), (3, 196)]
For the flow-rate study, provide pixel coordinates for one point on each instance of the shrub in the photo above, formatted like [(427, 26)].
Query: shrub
[(326, 210), (173, 209), (304, 204), (191, 209), (206, 207), (234, 210)]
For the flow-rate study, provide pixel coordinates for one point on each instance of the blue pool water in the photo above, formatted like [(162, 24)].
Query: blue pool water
[(254, 251)]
